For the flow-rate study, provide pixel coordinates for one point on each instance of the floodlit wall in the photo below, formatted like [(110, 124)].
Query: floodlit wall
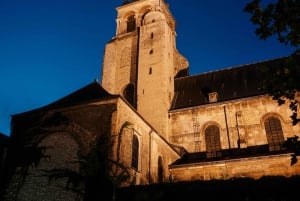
[(155, 153), (254, 167), (242, 118)]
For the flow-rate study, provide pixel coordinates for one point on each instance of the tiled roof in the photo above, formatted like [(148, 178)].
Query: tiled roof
[(230, 83)]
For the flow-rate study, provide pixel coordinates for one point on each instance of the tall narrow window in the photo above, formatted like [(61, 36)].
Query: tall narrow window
[(150, 70), (128, 94), (212, 140), (135, 152), (131, 23), (160, 170), (274, 133)]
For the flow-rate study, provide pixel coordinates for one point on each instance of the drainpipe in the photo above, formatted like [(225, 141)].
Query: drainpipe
[(229, 146), (238, 130), (137, 68)]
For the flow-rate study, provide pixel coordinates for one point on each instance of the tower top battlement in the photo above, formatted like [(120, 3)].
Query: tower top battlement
[(133, 12)]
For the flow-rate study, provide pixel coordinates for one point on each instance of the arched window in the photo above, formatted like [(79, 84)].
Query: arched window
[(128, 94), (212, 140), (274, 133), (131, 23), (135, 152), (160, 171)]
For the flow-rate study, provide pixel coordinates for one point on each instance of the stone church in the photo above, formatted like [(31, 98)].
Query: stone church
[(164, 125)]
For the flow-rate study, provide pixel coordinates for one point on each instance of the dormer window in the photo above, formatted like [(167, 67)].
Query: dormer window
[(213, 97)]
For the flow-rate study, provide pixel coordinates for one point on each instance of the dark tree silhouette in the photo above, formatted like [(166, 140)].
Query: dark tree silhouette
[(282, 20), (98, 175)]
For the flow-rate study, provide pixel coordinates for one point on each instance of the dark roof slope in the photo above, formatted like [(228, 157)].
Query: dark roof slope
[(90, 92), (93, 91), (230, 83), (227, 154)]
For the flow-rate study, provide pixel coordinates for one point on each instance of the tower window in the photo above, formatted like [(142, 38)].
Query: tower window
[(152, 35), (150, 70), (131, 23), (151, 51), (128, 94)]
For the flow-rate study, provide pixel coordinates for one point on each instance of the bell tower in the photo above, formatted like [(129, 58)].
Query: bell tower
[(141, 61)]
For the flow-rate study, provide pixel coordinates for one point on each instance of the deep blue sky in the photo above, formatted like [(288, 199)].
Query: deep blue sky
[(50, 48)]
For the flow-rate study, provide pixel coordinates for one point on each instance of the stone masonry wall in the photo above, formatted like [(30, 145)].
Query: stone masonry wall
[(255, 168), (252, 112), (152, 145), (45, 153)]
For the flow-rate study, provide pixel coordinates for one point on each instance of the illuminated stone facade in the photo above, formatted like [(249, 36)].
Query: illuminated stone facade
[(163, 124), (143, 55), (141, 61)]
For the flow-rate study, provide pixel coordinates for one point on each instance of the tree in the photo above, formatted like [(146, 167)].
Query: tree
[(100, 172), (100, 167), (281, 19), (293, 144)]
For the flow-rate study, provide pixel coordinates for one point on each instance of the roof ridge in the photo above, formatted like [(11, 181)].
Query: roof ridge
[(233, 67), (89, 92)]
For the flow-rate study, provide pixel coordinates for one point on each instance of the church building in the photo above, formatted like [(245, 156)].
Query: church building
[(152, 120)]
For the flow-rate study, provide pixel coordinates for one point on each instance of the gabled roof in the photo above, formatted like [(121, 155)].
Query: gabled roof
[(88, 93), (230, 83)]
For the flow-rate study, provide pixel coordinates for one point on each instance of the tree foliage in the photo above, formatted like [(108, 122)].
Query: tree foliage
[(293, 144), (98, 173), (282, 20)]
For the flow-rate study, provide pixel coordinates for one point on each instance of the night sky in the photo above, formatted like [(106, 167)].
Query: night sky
[(50, 48)]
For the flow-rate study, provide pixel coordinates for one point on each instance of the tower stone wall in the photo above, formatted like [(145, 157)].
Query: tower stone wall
[(143, 55)]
